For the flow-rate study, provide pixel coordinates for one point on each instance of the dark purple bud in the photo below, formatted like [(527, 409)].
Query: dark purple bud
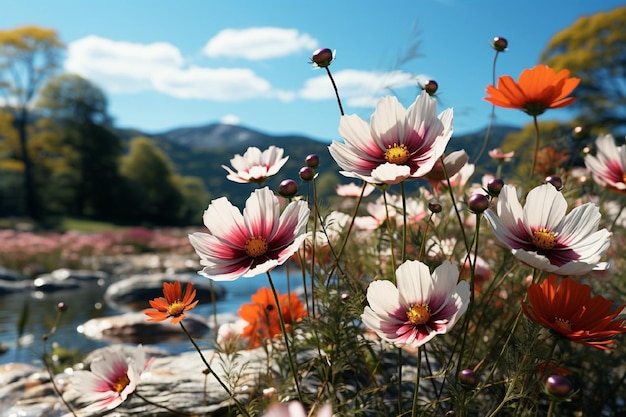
[(558, 386), (494, 186), (579, 133), (431, 87), (434, 206), (312, 160), (62, 307), (468, 377), (478, 203), (322, 57), (307, 173), (500, 44), (288, 188), (557, 182)]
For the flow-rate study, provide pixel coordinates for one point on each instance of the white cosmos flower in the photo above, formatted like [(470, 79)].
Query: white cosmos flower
[(541, 235), (112, 378), (295, 409), (397, 144), (420, 307), (249, 243), (256, 166), (608, 166)]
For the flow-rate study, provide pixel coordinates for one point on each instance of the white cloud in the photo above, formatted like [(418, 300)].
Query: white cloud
[(219, 84), (119, 66), (359, 88), (259, 43), (230, 119)]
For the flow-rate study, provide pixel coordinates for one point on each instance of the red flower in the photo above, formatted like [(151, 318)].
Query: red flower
[(567, 308), (538, 89), (262, 315), (173, 305)]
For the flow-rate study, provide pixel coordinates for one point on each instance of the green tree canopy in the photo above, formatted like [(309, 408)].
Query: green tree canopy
[(594, 49), (28, 55)]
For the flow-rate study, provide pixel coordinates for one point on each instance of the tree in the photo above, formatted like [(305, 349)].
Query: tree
[(155, 195), (28, 55), (78, 133), (594, 49)]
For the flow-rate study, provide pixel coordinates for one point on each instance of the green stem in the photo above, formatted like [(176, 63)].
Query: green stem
[(47, 365), (390, 234), (536, 153), (240, 406), (493, 110), (417, 383), (404, 225), (285, 336), (551, 408), (171, 410), (332, 80)]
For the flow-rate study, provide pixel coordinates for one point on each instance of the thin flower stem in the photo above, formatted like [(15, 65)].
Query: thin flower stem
[(285, 336), (536, 153), (240, 406), (417, 383), (404, 225), (470, 307), (399, 381), (390, 234), (493, 110), (214, 302), (313, 247), (456, 209), (551, 408), (355, 211), (44, 358), (332, 80), (165, 407)]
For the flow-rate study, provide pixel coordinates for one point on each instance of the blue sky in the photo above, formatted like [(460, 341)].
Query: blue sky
[(168, 64)]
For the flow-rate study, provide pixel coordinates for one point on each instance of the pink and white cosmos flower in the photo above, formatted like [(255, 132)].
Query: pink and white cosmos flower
[(112, 378), (251, 243), (295, 409), (608, 166), (541, 235), (420, 307), (398, 144), (256, 166)]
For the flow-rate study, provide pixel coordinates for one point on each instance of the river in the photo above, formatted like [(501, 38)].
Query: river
[(88, 302)]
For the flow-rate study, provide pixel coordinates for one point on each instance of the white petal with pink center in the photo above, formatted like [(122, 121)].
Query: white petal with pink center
[(608, 166), (398, 144), (256, 166), (421, 306), (249, 243), (112, 378), (543, 236)]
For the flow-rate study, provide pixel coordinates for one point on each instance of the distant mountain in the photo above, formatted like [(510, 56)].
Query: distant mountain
[(201, 151)]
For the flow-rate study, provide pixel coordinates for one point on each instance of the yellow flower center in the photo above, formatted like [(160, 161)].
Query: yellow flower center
[(397, 154), (176, 309), (418, 314), (256, 246), (121, 383), (544, 239), (563, 324)]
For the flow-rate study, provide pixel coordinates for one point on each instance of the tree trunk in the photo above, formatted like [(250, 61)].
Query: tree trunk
[(30, 201)]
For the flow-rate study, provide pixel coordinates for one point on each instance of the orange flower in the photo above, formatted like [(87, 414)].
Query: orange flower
[(568, 309), (538, 89), (173, 305), (262, 315)]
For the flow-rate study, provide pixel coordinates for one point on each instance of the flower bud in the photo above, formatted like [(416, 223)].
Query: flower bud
[(288, 188), (322, 57), (494, 186), (558, 387), (468, 377), (62, 307), (312, 160), (431, 87), (579, 133), (434, 206), (478, 203), (557, 182), (306, 173), (500, 44)]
